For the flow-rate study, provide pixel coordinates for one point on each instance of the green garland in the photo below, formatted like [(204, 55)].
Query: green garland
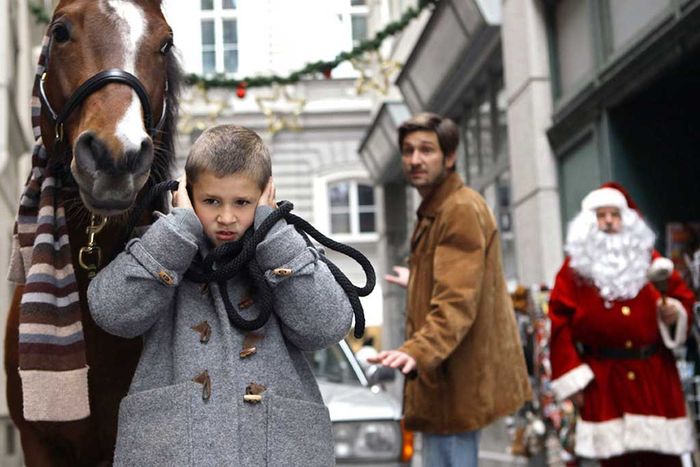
[(41, 16), (310, 69)]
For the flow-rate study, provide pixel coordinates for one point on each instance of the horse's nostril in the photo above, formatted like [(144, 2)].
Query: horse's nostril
[(91, 154), (139, 162)]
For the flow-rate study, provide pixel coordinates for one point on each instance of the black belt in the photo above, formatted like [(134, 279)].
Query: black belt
[(640, 353)]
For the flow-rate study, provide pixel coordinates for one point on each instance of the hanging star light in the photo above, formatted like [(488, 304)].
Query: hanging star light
[(281, 110), (194, 104), (376, 72)]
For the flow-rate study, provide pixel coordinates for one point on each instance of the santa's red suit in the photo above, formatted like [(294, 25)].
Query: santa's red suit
[(617, 351)]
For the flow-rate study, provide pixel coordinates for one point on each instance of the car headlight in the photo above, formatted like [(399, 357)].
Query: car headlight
[(373, 440)]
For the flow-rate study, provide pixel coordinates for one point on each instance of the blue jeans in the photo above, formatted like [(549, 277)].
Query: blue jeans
[(456, 450)]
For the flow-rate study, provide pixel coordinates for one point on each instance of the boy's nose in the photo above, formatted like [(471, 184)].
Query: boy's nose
[(226, 218)]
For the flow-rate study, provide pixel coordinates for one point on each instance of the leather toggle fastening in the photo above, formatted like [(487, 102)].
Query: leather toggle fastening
[(204, 331), (205, 381), (253, 393), (247, 302), (250, 344)]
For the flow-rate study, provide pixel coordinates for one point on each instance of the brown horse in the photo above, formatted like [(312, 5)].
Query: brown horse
[(109, 105)]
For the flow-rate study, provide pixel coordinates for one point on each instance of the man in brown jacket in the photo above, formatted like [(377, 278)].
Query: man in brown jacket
[(462, 341)]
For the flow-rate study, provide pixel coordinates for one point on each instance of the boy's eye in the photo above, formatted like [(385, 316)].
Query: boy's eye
[(242, 202), (211, 201)]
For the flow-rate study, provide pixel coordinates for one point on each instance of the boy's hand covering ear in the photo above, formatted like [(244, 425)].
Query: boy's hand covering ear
[(268, 195), (181, 199)]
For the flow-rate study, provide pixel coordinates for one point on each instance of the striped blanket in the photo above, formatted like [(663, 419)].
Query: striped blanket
[(52, 362)]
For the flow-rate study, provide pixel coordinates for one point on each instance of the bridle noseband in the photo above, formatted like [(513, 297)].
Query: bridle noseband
[(92, 84)]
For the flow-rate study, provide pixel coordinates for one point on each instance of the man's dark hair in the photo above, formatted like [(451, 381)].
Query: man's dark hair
[(445, 129)]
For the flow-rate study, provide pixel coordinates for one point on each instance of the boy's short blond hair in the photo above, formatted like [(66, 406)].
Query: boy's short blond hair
[(229, 149)]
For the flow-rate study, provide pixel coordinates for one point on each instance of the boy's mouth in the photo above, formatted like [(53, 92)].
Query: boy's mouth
[(225, 235)]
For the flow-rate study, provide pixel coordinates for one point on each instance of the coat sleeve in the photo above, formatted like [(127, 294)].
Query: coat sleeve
[(458, 271), (569, 373), (129, 295), (313, 310)]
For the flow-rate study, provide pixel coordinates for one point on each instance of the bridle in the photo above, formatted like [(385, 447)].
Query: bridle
[(92, 84)]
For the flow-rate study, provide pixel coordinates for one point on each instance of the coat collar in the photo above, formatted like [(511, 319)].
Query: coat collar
[(431, 204)]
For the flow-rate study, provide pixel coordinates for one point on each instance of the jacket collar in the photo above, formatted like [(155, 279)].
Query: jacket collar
[(431, 204)]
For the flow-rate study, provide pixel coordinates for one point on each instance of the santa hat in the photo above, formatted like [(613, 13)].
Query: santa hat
[(604, 197)]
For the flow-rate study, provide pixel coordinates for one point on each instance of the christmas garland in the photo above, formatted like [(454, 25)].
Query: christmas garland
[(322, 67)]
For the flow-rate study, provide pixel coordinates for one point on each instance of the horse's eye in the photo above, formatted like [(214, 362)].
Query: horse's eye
[(61, 33), (165, 48)]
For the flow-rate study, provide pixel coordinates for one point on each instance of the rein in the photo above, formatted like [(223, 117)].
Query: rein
[(229, 259)]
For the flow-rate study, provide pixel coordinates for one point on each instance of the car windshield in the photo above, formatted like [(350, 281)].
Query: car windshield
[(332, 365)]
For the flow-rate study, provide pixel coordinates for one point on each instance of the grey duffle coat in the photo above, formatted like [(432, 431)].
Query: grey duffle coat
[(186, 401)]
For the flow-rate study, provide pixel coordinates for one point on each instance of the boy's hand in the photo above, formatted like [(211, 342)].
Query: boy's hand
[(181, 199), (268, 195)]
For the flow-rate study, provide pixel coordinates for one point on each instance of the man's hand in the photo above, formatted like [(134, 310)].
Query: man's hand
[(395, 359), (268, 195), (400, 278), (181, 199), (669, 311)]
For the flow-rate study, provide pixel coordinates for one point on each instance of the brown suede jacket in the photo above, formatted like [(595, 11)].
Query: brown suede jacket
[(460, 325)]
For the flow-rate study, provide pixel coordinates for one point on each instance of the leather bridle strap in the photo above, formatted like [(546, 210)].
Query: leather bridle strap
[(94, 83)]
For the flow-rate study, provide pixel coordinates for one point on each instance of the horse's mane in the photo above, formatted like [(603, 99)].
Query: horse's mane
[(164, 150)]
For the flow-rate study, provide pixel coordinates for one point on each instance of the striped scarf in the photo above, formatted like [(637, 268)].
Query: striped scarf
[(52, 363)]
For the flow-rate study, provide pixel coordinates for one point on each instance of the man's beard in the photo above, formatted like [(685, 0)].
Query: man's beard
[(616, 263)]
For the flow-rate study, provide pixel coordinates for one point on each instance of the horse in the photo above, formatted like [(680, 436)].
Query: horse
[(108, 113)]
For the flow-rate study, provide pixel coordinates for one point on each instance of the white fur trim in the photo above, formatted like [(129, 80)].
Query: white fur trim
[(604, 197), (572, 381), (602, 440), (681, 332), (661, 266)]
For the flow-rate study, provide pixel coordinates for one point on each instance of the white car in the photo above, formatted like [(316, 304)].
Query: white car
[(366, 419)]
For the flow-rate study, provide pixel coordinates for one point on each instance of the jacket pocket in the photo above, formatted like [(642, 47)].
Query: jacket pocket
[(299, 433), (154, 427)]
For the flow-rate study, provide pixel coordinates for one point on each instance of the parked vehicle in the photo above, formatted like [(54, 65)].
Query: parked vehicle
[(366, 419)]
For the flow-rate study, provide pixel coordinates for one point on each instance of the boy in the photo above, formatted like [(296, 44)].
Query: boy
[(205, 392)]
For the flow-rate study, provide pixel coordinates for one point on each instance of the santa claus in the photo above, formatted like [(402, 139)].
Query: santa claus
[(612, 335)]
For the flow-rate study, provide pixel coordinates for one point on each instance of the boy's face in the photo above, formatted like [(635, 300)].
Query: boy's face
[(225, 205)]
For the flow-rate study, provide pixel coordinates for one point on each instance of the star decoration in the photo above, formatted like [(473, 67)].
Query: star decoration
[(375, 73), (193, 106), (281, 110)]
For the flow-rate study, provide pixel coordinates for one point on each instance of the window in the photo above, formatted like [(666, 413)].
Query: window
[(485, 133), (352, 208), (358, 21), (219, 36)]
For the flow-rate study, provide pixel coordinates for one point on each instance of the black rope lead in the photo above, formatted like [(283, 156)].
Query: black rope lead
[(229, 259)]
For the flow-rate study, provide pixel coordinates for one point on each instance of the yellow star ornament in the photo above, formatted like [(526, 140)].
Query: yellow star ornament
[(281, 110)]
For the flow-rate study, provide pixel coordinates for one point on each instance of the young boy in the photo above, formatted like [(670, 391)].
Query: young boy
[(205, 392)]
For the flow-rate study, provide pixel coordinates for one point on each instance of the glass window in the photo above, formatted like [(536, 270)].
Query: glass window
[(485, 134), (627, 17), (501, 131), (358, 2), (471, 145), (574, 43), (219, 37), (207, 5), (352, 208), (359, 28)]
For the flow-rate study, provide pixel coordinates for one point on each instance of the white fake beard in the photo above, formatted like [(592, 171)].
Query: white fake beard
[(617, 263)]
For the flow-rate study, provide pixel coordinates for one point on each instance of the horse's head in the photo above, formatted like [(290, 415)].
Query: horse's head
[(108, 95)]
